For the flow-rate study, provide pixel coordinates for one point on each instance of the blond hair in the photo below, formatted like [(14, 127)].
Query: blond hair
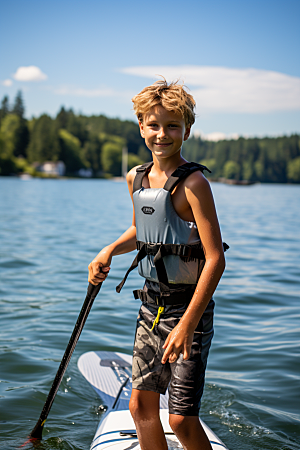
[(173, 97)]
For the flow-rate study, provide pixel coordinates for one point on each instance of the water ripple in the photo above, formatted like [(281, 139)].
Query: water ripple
[(51, 229)]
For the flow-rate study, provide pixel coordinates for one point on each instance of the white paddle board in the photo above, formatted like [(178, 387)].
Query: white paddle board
[(109, 374)]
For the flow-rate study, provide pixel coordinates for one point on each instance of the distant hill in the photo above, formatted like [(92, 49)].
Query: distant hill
[(266, 160), (96, 142)]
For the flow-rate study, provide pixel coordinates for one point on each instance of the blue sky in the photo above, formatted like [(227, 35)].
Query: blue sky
[(239, 59)]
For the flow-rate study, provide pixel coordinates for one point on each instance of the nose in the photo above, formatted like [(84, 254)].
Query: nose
[(161, 133)]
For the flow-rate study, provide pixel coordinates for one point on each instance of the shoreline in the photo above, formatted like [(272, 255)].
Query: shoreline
[(230, 182)]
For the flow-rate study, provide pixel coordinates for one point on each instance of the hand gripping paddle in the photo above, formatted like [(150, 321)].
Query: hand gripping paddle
[(86, 307)]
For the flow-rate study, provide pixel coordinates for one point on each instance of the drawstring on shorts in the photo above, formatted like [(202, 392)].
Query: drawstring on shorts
[(159, 313)]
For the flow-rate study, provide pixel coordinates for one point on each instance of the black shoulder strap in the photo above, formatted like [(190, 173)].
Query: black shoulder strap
[(140, 173), (181, 173)]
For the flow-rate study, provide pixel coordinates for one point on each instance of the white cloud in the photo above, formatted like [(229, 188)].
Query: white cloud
[(222, 89), (218, 136), (215, 136), (29, 73), (7, 82), (80, 92)]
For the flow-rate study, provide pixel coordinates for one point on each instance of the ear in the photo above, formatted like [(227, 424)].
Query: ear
[(187, 133), (142, 129)]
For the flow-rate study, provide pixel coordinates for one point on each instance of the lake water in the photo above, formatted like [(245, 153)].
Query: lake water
[(50, 231)]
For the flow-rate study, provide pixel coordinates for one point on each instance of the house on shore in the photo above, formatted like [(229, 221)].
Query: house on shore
[(57, 168)]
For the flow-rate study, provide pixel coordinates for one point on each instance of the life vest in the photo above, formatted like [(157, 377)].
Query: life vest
[(170, 251)]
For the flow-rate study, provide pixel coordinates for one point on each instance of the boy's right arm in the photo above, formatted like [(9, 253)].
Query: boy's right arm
[(100, 266)]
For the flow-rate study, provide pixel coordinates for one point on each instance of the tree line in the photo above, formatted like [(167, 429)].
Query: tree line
[(96, 143), (266, 160), (81, 142)]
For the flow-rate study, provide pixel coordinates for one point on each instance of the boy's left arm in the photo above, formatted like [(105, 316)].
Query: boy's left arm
[(200, 199)]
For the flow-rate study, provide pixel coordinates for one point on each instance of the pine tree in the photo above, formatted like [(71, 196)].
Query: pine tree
[(44, 142), (22, 135), (62, 118), (4, 108), (19, 108)]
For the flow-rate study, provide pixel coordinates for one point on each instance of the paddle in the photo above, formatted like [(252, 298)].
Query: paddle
[(86, 307)]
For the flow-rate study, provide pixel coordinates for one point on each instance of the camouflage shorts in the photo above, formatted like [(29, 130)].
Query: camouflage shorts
[(184, 378)]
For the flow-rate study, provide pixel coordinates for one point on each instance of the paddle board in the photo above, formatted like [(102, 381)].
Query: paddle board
[(109, 374)]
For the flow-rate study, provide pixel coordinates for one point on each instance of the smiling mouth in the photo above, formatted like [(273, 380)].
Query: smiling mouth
[(163, 144)]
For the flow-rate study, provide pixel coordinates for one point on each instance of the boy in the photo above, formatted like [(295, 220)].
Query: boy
[(172, 208)]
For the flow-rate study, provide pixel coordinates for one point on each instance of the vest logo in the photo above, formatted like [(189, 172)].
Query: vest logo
[(148, 210)]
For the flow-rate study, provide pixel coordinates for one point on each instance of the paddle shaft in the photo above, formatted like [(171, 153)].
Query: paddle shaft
[(86, 307)]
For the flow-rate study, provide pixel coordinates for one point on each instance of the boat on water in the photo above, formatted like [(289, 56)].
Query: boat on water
[(109, 373)]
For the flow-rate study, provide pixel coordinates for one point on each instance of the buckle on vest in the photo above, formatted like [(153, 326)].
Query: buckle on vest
[(179, 171), (160, 301), (184, 251), (141, 169), (139, 245), (152, 248)]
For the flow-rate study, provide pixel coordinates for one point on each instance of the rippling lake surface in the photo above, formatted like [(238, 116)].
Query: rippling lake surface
[(50, 231)]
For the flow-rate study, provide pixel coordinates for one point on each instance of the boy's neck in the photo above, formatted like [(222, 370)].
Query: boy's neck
[(168, 165)]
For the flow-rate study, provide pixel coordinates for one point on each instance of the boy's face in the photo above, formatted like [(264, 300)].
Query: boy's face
[(163, 131)]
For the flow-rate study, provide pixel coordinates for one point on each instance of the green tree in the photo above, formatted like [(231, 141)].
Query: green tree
[(7, 164), (18, 107), (259, 170), (111, 158), (92, 153), (22, 139), (9, 130), (134, 160), (125, 129), (247, 170), (195, 149), (71, 152), (22, 133), (76, 127), (231, 170), (210, 164), (62, 118), (4, 107), (44, 142), (144, 154), (74, 124), (293, 170), (8, 139)]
